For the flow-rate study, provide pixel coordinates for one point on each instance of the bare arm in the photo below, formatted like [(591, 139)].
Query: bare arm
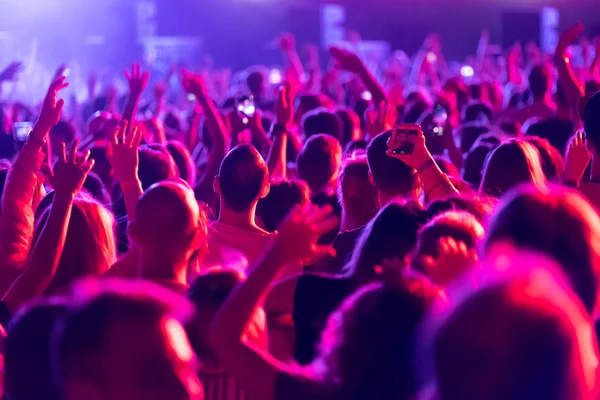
[(137, 83), (351, 62), (257, 371), (595, 66), (216, 127), (277, 158), (572, 87), (287, 44), (45, 256)]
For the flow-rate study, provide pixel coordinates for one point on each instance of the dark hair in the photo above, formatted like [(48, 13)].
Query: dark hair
[(183, 161), (590, 115), (94, 185), (358, 196), (414, 111), (391, 234), (79, 339), (156, 164), (27, 369), (320, 121), (278, 203), (381, 368), (557, 222), (510, 164), (477, 112), (552, 162), (319, 161), (390, 175), (350, 123), (473, 164), (242, 177), (469, 134), (479, 207), (63, 131), (3, 175), (540, 80)]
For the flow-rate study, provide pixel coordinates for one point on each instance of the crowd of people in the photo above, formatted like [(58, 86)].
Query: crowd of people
[(232, 239)]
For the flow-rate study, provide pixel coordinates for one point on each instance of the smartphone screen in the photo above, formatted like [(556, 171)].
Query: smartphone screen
[(22, 130), (440, 118), (403, 139), (246, 105)]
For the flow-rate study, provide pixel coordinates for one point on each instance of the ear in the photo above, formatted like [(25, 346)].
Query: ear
[(217, 185), (265, 191)]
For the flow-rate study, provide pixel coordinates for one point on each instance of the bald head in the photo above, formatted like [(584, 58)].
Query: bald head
[(168, 215)]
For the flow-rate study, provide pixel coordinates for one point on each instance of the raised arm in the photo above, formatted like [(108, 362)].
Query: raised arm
[(297, 240), (45, 255), (16, 220), (595, 66), (436, 184), (571, 86), (10, 73), (351, 62), (138, 81), (287, 44), (216, 127), (123, 155), (277, 158)]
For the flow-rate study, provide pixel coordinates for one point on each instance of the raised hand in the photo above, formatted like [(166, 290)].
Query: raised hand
[(11, 72), (284, 107), (299, 233), (454, 258), (51, 109), (380, 119), (346, 60), (577, 159), (193, 84), (568, 37), (137, 80), (420, 155), (287, 42), (122, 153), (71, 171)]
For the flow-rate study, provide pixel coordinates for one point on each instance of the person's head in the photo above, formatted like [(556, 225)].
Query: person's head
[(350, 125), (541, 80), (322, 121), (126, 343), (510, 164), (62, 132), (94, 186), (556, 222), (552, 162), (391, 235), (472, 169), (479, 207), (27, 370), (319, 162), (89, 248), (414, 110), (458, 225), (468, 135), (519, 337), (208, 293), (242, 180), (390, 176), (589, 108), (102, 166), (283, 196), (359, 198), (368, 345), (477, 113), (256, 81), (169, 225), (156, 164), (183, 160)]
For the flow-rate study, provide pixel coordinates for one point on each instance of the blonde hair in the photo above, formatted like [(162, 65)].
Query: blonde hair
[(90, 244)]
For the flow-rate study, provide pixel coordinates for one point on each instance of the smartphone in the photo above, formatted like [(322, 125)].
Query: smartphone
[(22, 130), (440, 118), (245, 105), (403, 138)]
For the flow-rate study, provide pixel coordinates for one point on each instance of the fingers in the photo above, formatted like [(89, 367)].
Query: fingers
[(59, 106), (137, 138), (327, 225), (83, 159), (73, 152), (316, 214), (321, 251), (121, 132), (87, 167), (63, 152), (127, 75)]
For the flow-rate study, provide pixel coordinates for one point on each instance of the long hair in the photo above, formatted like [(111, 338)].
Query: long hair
[(367, 348), (90, 244), (510, 164), (392, 234)]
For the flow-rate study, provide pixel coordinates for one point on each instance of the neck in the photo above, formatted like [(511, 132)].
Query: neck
[(240, 219), (545, 99), (385, 198), (348, 223), (159, 267)]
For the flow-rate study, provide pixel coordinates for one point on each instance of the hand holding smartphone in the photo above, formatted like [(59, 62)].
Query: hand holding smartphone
[(403, 139)]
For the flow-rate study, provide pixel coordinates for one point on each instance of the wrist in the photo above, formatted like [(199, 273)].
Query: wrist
[(63, 196), (279, 129), (425, 164)]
